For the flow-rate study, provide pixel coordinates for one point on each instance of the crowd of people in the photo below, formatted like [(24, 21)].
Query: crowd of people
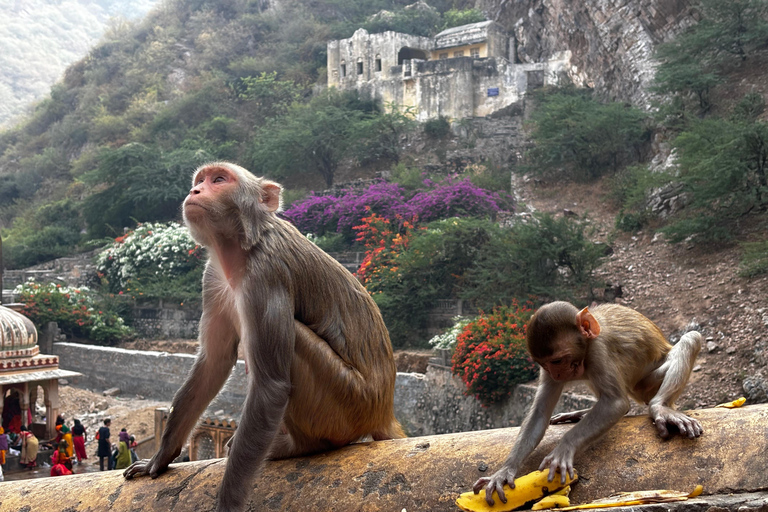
[(68, 446)]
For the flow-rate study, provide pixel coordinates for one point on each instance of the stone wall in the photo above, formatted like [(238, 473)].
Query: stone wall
[(166, 321), (426, 404), (150, 374), (434, 403)]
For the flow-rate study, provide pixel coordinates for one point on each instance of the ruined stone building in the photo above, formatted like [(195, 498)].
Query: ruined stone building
[(462, 72)]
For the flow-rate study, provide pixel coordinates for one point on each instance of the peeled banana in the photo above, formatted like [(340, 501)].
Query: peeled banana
[(528, 488)]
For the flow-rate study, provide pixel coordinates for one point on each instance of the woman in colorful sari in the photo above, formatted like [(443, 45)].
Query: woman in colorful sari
[(66, 435), (28, 448), (123, 451), (60, 462)]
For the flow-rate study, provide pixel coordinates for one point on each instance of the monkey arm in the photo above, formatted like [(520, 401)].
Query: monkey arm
[(530, 435), (217, 356), (608, 410), (269, 338)]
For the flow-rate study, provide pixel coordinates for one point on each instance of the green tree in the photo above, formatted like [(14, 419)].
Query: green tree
[(723, 166), (577, 136), (693, 63), (139, 183), (312, 137), (548, 257)]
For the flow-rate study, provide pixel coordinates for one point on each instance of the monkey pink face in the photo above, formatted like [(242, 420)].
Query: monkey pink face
[(562, 366), (211, 186)]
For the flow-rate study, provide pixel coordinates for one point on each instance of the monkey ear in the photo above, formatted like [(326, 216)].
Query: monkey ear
[(588, 324), (270, 196)]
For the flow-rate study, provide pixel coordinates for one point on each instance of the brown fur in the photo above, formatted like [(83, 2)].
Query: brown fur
[(621, 354), (321, 370)]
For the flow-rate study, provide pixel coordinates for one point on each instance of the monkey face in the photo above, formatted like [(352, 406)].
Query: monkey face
[(210, 193), (563, 367)]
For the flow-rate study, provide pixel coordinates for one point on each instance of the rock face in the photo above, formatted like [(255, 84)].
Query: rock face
[(611, 41)]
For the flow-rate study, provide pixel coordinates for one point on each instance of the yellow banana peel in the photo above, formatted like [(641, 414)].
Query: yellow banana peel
[(732, 405), (528, 488), (626, 499)]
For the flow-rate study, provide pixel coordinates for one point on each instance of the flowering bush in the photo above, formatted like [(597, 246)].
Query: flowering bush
[(383, 198), (151, 251), (383, 244), (455, 199), (76, 310), (314, 214), (319, 214), (491, 356), (447, 340)]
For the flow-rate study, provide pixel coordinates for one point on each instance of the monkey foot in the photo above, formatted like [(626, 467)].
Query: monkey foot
[(669, 419)]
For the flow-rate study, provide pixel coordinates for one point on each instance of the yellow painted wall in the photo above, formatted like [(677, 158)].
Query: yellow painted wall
[(483, 47)]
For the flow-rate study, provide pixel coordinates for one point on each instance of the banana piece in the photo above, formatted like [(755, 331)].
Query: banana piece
[(528, 488)]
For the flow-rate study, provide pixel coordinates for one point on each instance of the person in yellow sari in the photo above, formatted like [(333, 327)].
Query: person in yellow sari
[(66, 435), (29, 445)]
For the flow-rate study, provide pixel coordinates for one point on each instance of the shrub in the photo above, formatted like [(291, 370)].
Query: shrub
[(578, 137), (437, 128), (77, 311), (754, 261), (447, 340), (402, 306), (455, 199), (315, 214), (491, 357), (154, 260), (547, 257)]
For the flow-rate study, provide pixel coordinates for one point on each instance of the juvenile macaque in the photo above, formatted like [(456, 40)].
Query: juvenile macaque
[(621, 354), (320, 368)]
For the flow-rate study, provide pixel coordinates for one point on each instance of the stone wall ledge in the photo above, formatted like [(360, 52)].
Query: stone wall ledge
[(428, 473)]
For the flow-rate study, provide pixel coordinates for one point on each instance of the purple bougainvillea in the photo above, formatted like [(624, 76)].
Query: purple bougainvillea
[(315, 214), (436, 200), (454, 199), (386, 199)]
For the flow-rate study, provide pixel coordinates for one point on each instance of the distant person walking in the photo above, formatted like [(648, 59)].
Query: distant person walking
[(3, 446), (79, 437), (105, 445)]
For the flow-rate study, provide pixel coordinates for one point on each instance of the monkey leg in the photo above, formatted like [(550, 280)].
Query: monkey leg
[(218, 353), (674, 374), (333, 403), (568, 417)]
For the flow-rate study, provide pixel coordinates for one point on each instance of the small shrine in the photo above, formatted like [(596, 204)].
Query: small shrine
[(23, 371)]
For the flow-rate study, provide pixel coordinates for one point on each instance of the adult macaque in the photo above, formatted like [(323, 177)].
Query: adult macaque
[(320, 368), (621, 354)]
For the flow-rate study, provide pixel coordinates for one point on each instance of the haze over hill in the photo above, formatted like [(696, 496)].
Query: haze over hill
[(39, 39)]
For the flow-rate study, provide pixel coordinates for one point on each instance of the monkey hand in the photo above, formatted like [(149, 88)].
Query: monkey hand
[(496, 483), (664, 417), (559, 460), (153, 467)]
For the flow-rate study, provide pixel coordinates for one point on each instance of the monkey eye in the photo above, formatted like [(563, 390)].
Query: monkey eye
[(556, 361), (219, 179)]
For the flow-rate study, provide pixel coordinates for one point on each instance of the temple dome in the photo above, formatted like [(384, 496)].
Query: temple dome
[(18, 336)]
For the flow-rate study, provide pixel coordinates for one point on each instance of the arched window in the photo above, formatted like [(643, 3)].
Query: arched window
[(343, 68), (359, 65), (378, 62)]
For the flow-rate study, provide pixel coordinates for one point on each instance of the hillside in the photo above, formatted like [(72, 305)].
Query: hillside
[(38, 40)]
